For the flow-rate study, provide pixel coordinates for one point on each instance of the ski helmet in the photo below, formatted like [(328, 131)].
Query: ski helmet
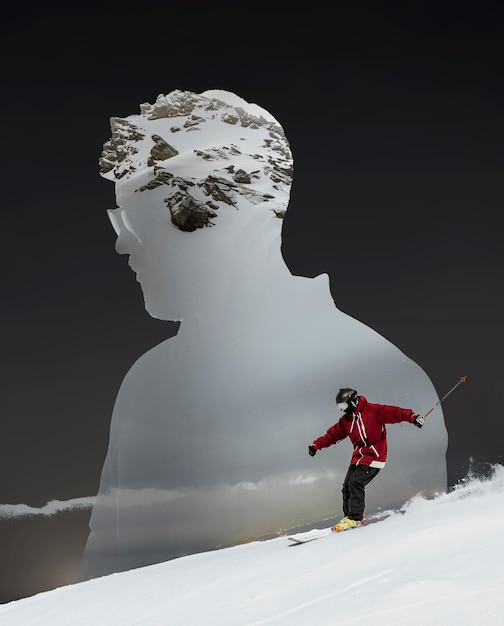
[(347, 399)]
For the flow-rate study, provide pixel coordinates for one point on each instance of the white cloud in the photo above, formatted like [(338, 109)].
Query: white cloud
[(53, 507)]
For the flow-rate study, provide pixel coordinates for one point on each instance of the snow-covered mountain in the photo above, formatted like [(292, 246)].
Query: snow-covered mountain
[(437, 561)]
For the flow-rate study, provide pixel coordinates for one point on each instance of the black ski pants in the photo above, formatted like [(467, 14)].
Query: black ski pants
[(354, 489)]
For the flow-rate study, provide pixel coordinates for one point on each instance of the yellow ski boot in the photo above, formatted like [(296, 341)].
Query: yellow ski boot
[(346, 523)]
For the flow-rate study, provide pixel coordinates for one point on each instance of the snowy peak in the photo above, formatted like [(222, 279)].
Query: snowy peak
[(205, 152), (196, 107)]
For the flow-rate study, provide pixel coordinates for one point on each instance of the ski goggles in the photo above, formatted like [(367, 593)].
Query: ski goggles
[(342, 406)]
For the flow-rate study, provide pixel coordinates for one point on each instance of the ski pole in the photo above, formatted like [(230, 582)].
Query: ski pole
[(462, 380)]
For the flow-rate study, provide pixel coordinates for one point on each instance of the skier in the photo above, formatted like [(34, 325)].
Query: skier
[(364, 423)]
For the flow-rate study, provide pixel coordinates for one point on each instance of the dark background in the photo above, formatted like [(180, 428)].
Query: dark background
[(395, 120)]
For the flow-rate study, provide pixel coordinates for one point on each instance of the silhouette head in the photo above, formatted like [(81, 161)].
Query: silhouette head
[(202, 185)]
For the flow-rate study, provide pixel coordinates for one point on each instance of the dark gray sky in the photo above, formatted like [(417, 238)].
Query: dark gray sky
[(406, 108)]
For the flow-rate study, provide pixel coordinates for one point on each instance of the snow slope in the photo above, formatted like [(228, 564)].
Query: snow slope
[(436, 561)]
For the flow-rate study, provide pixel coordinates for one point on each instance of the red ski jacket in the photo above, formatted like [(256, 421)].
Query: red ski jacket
[(365, 428)]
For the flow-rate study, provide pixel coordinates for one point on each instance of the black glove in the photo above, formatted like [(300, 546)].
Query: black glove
[(312, 450), (419, 421)]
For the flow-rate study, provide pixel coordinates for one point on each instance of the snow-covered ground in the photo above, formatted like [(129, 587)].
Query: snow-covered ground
[(436, 561)]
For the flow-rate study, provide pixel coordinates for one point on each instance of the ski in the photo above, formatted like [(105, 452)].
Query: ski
[(307, 537), (320, 533)]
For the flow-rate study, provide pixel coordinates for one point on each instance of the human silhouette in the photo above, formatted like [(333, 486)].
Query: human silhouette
[(208, 434)]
